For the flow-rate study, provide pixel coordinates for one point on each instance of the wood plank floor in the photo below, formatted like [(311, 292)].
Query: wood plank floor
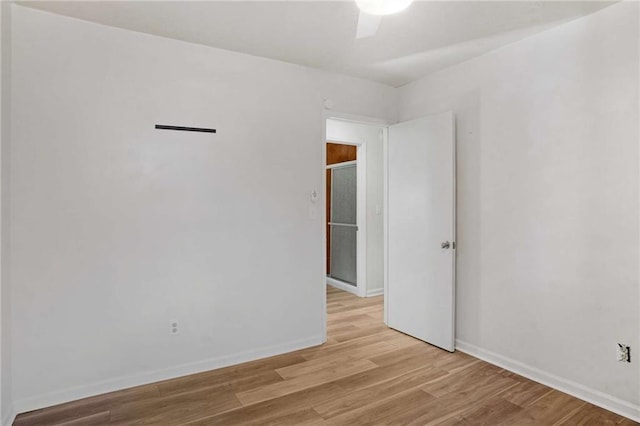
[(366, 374)]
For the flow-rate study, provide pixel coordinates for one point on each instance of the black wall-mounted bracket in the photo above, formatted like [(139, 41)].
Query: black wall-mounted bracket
[(185, 129)]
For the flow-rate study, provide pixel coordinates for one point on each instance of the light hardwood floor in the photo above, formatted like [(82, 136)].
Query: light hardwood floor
[(366, 374)]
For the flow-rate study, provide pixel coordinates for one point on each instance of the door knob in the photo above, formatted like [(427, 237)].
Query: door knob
[(445, 245)]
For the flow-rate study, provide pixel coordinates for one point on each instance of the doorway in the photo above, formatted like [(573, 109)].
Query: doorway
[(416, 241), (354, 148)]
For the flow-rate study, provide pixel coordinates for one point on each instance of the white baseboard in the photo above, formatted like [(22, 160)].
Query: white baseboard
[(72, 394), (342, 286), (9, 418), (375, 292), (585, 393)]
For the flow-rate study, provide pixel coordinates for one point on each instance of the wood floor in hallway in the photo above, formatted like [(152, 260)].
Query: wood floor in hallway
[(366, 374)]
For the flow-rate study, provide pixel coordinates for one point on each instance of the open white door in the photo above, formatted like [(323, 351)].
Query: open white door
[(421, 229)]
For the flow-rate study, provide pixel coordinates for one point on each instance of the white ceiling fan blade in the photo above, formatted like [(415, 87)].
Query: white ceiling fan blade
[(367, 25)]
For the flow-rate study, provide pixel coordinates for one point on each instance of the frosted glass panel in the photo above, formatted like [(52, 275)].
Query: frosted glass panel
[(343, 195), (343, 224), (343, 253)]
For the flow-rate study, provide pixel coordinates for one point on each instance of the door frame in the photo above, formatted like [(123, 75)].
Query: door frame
[(384, 125), (355, 119)]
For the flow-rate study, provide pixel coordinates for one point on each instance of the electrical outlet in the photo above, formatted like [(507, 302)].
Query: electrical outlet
[(174, 327), (624, 353)]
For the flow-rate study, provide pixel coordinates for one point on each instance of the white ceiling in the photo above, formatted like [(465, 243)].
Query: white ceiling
[(427, 37)]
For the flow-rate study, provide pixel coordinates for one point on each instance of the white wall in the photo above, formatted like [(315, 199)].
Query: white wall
[(547, 132), (6, 408), (118, 228), (338, 130)]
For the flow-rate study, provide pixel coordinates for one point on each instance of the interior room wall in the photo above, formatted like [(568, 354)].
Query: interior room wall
[(6, 408), (338, 130), (547, 134), (119, 229)]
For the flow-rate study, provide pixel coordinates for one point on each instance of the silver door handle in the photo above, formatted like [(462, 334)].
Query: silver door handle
[(445, 245)]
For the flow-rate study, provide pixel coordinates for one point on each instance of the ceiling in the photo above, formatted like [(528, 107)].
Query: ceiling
[(429, 36)]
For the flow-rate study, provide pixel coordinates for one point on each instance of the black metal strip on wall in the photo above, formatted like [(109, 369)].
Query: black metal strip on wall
[(185, 129)]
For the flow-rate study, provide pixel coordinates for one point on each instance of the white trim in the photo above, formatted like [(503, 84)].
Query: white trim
[(341, 285), (79, 392), (454, 237), (346, 141), (585, 393), (343, 164), (354, 118), (9, 418), (361, 202), (375, 292), (323, 226), (385, 224), (360, 188)]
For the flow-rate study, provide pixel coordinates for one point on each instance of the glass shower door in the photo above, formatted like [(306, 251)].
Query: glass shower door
[(343, 224)]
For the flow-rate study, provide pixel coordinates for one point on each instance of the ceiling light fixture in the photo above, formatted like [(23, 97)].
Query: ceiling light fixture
[(382, 7)]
